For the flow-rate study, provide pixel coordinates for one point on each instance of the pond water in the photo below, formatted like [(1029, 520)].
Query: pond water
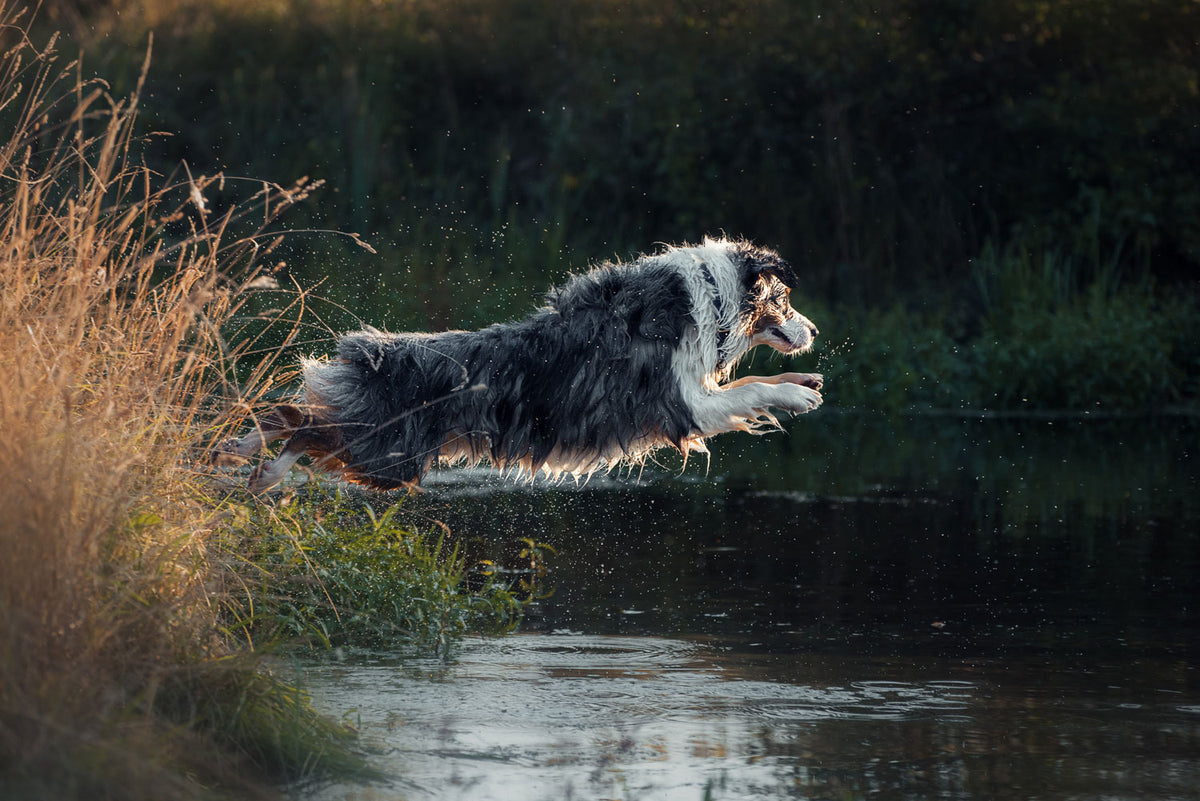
[(903, 609)]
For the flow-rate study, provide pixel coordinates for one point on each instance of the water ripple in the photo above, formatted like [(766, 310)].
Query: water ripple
[(663, 711)]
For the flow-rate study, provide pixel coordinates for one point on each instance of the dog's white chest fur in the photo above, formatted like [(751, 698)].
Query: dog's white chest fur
[(622, 360)]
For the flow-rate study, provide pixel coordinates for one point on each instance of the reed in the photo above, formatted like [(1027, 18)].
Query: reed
[(117, 297)]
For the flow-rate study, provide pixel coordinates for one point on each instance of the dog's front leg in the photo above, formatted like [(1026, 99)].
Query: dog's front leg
[(812, 380), (745, 405)]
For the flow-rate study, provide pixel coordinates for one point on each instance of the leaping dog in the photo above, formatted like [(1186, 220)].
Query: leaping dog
[(622, 360)]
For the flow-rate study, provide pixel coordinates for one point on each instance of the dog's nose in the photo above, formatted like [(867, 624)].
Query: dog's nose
[(812, 329)]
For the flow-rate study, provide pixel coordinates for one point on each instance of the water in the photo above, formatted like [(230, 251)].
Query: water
[(929, 608)]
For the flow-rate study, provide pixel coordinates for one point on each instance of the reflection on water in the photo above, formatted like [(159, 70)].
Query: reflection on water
[(573, 715), (950, 609)]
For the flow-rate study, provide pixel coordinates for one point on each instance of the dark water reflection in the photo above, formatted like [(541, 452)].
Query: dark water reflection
[(917, 609)]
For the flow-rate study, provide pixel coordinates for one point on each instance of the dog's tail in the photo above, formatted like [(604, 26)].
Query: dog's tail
[(388, 428), (336, 383)]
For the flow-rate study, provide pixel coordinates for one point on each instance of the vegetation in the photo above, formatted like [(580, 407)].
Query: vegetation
[(907, 154), (333, 572), (990, 201), (1037, 335), (134, 658)]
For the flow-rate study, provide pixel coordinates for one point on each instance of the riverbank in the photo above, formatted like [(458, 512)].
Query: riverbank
[(142, 611)]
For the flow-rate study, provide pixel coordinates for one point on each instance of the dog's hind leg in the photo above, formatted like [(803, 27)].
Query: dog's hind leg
[(282, 421), (270, 473), (319, 439)]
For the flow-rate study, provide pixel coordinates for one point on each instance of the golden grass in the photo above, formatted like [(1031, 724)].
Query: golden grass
[(115, 286)]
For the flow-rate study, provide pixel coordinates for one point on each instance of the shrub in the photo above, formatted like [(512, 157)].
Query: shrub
[(1058, 335)]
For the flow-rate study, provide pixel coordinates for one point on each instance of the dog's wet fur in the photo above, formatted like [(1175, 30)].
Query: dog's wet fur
[(622, 360)]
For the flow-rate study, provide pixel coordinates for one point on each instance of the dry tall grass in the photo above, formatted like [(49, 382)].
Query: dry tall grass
[(114, 289)]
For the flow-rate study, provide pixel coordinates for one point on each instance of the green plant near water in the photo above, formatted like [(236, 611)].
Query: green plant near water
[(262, 717), (332, 571), (1058, 332), (1041, 331)]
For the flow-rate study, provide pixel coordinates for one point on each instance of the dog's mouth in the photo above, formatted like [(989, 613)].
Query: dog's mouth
[(799, 340)]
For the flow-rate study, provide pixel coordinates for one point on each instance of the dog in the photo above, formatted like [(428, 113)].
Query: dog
[(622, 360)]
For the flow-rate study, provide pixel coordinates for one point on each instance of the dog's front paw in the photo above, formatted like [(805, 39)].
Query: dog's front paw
[(811, 380), (797, 398)]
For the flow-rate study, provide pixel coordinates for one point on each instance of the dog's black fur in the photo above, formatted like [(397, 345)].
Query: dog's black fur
[(590, 379)]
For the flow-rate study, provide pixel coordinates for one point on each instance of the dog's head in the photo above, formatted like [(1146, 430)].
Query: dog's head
[(766, 306)]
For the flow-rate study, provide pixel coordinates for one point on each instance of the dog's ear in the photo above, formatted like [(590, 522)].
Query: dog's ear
[(758, 261)]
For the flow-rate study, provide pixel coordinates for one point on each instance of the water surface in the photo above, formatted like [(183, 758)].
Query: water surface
[(923, 608)]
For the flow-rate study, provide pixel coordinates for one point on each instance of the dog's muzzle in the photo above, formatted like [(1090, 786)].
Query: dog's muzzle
[(791, 336)]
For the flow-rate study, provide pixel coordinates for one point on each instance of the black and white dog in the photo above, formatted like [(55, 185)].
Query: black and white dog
[(620, 361)]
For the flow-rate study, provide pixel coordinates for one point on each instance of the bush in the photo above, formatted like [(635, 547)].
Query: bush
[(1042, 332), (1058, 335)]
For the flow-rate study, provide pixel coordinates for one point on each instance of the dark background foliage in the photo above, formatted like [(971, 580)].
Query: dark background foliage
[(910, 157)]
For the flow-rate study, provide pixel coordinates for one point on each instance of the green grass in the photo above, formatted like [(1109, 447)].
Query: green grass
[(330, 571), (1055, 333)]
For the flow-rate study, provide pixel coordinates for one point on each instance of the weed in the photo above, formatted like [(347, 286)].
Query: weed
[(330, 571)]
